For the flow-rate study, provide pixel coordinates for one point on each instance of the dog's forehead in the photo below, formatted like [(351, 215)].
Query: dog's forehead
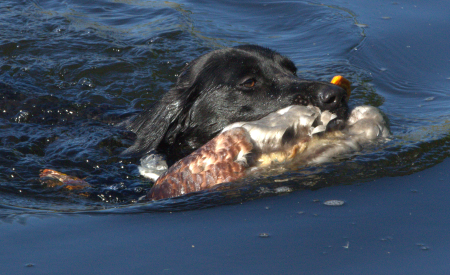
[(234, 64), (238, 62)]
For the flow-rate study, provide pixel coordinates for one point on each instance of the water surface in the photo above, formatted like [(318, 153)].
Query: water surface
[(70, 71)]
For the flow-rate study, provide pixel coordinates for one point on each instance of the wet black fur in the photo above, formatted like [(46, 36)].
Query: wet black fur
[(214, 90)]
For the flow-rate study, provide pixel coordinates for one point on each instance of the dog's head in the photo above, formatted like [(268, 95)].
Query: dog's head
[(243, 83)]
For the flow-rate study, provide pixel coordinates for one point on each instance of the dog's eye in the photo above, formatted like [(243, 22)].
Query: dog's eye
[(249, 83)]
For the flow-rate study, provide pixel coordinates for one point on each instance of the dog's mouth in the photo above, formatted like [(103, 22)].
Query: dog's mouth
[(288, 126), (337, 106), (338, 122), (332, 97), (311, 133)]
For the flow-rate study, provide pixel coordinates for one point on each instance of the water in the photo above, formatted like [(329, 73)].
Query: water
[(72, 70)]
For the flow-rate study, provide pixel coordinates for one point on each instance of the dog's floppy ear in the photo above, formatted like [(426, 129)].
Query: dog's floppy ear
[(150, 126), (163, 122), (159, 123)]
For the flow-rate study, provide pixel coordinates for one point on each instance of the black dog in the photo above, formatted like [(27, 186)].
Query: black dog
[(243, 83)]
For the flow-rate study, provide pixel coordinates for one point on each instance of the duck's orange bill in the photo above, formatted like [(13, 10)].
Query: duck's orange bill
[(343, 83)]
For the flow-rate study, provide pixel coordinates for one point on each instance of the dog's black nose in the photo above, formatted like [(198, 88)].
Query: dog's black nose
[(330, 97), (326, 96)]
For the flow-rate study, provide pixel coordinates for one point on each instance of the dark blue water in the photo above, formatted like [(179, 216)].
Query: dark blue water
[(70, 71)]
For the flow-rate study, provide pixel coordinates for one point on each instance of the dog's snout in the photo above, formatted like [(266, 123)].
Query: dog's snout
[(331, 97), (326, 96)]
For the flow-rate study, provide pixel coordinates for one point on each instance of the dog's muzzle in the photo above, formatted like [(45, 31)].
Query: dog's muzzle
[(325, 96)]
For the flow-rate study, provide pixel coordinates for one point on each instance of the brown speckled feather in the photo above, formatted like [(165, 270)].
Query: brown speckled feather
[(220, 160)]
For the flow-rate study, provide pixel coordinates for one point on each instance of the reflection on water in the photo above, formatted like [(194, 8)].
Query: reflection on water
[(70, 71)]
